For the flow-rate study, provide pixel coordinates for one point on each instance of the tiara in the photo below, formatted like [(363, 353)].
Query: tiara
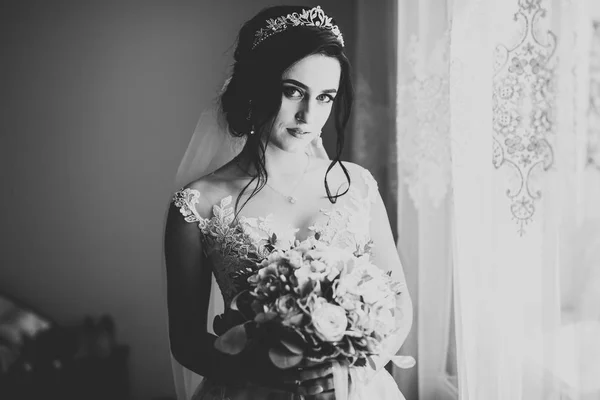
[(314, 17)]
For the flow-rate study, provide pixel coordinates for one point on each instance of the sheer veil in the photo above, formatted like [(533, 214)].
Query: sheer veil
[(210, 147)]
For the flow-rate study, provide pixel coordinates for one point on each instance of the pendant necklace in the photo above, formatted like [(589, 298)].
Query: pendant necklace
[(290, 197)]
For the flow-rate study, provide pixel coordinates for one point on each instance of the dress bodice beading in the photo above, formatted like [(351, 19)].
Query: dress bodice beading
[(234, 245)]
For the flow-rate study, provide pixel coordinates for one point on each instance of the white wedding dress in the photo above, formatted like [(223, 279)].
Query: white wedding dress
[(228, 243)]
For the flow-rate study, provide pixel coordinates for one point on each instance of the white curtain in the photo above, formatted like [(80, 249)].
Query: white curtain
[(424, 201), (499, 195)]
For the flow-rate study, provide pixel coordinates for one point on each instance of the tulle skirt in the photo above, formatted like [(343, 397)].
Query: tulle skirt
[(381, 387)]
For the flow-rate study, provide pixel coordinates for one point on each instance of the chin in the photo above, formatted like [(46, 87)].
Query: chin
[(293, 146)]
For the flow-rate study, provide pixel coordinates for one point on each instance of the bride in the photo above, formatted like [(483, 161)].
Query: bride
[(290, 74)]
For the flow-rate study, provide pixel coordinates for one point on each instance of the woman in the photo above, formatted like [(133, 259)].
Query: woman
[(289, 74)]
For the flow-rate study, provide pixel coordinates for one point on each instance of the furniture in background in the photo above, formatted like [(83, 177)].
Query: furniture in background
[(41, 359)]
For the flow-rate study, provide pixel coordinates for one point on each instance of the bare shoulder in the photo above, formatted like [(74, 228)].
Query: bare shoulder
[(211, 189)]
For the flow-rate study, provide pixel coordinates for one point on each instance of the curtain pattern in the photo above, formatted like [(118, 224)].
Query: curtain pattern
[(497, 125), (423, 127), (523, 108), (594, 110), (519, 224)]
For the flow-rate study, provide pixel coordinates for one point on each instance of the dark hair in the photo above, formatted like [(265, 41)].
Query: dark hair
[(253, 95)]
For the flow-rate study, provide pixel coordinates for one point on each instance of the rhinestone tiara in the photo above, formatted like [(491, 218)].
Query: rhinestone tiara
[(314, 17)]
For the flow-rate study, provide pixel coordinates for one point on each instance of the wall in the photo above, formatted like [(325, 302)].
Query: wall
[(98, 102)]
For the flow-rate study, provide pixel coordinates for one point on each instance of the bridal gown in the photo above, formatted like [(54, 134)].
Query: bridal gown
[(345, 224)]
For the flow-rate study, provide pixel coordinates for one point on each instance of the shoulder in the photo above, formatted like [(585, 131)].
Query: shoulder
[(195, 200), (358, 172)]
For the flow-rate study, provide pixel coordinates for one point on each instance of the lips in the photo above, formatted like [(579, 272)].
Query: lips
[(297, 132)]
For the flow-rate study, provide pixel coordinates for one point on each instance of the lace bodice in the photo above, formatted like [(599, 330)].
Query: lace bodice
[(234, 245)]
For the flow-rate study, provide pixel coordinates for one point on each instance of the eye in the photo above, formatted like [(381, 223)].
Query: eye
[(325, 98), (292, 92)]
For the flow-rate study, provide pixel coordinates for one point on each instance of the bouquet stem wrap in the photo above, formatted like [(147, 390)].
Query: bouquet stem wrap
[(340, 379)]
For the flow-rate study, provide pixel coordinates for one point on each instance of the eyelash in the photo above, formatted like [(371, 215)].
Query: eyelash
[(289, 90)]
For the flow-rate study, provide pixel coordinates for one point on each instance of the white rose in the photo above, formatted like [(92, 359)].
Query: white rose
[(372, 291), (303, 274), (361, 321), (384, 322), (316, 271), (329, 321), (294, 258), (345, 294), (334, 257)]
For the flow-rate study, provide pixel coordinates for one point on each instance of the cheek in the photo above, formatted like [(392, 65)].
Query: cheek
[(324, 114), (288, 110)]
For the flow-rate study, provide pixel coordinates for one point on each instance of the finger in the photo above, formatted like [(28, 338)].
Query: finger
[(307, 374), (328, 395), (316, 386), (307, 363)]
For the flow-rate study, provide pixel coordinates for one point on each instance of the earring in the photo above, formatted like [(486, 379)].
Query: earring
[(249, 116)]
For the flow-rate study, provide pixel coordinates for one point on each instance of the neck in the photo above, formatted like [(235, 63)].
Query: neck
[(279, 164)]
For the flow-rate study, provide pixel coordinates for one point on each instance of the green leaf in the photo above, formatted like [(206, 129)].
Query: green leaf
[(372, 362), (264, 317), (283, 359), (404, 362), (294, 347), (233, 341), (234, 305)]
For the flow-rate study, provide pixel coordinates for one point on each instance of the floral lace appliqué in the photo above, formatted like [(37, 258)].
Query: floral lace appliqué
[(186, 200), (235, 245), (347, 226)]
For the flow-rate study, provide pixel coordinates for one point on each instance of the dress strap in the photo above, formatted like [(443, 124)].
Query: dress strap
[(186, 200)]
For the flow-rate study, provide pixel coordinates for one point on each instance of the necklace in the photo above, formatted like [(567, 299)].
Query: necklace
[(290, 197)]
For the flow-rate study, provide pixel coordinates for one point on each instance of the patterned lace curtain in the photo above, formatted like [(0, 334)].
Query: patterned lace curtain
[(424, 206), (526, 251), (498, 146), (401, 130)]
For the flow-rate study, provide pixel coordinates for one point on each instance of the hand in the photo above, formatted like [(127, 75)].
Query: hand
[(312, 380), (328, 395), (259, 369)]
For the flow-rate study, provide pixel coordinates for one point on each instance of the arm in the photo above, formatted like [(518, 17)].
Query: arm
[(188, 290)]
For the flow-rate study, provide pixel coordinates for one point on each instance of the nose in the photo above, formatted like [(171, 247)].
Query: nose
[(304, 111)]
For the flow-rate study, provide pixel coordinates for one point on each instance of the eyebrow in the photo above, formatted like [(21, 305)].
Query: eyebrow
[(303, 86)]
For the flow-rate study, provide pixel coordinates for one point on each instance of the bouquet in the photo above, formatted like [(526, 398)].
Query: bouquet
[(315, 302)]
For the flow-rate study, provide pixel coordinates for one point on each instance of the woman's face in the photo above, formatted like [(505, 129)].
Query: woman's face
[(309, 88)]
